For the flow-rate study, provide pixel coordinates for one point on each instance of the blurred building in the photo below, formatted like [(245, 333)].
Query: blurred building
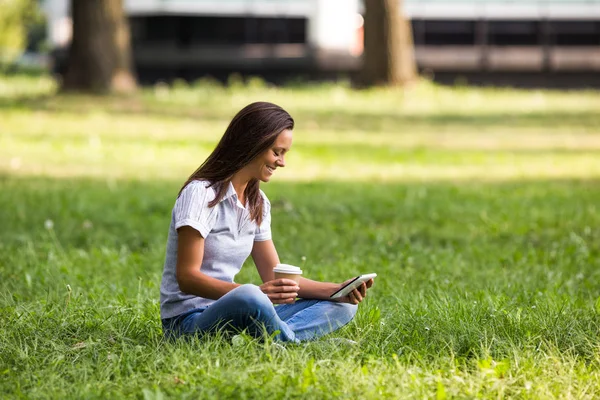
[(187, 38), (505, 35)]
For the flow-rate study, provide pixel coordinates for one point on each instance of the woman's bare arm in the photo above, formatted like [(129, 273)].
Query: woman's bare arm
[(265, 258)]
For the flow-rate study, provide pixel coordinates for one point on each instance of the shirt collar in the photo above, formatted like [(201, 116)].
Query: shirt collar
[(230, 192)]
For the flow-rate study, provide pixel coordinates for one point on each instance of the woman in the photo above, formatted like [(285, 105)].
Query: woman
[(220, 218)]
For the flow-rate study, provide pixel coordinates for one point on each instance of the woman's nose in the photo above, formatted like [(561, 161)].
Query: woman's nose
[(281, 161)]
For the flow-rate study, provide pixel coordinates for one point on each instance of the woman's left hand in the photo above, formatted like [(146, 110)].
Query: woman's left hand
[(358, 294)]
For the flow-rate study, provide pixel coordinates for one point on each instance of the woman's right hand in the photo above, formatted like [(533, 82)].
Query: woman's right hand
[(281, 291)]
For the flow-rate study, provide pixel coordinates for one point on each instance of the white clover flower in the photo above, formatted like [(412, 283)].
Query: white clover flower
[(49, 224), (238, 341)]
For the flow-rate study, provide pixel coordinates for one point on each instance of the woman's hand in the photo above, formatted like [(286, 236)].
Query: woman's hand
[(281, 291), (358, 294)]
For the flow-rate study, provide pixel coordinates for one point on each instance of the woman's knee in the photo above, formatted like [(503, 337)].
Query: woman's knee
[(250, 296), (345, 312)]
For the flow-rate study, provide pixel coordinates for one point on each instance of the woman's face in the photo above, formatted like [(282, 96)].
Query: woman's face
[(265, 164)]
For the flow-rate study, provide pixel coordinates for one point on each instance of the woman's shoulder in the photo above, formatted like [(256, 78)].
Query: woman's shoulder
[(200, 184), (264, 196), (266, 202), (197, 187)]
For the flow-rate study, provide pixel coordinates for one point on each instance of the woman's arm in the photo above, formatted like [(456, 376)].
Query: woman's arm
[(310, 289), (190, 252), (324, 289), (266, 258)]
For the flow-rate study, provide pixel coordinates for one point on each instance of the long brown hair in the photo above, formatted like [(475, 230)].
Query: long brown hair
[(252, 131)]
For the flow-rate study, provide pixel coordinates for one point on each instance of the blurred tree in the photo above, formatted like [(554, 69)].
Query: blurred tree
[(389, 56), (16, 18), (99, 57)]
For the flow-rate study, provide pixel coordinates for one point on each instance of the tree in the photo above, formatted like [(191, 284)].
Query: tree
[(17, 17), (99, 57), (388, 58)]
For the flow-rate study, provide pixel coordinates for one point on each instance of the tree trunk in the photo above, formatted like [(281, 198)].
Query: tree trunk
[(100, 51), (389, 56)]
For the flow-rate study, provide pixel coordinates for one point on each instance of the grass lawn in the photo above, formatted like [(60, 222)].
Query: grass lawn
[(478, 208)]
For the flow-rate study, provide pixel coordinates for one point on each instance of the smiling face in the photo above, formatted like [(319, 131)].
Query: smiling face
[(265, 164)]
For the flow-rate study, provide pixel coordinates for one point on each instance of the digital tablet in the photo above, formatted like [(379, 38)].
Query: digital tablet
[(353, 284)]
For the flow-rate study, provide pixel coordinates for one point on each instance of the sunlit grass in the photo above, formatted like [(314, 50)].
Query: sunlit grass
[(478, 208)]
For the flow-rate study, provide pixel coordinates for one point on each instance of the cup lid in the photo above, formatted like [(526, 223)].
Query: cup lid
[(287, 269)]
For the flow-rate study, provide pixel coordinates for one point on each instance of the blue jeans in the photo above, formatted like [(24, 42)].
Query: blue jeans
[(248, 308)]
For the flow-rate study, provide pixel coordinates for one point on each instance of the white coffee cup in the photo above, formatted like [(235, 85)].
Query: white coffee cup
[(287, 271)]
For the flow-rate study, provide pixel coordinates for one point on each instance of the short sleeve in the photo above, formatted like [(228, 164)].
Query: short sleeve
[(191, 208), (263, 232)]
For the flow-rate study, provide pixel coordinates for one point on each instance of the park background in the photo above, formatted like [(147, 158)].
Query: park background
[(476, 205)]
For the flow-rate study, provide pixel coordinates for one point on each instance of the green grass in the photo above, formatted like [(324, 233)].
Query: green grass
[(478, 208)]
